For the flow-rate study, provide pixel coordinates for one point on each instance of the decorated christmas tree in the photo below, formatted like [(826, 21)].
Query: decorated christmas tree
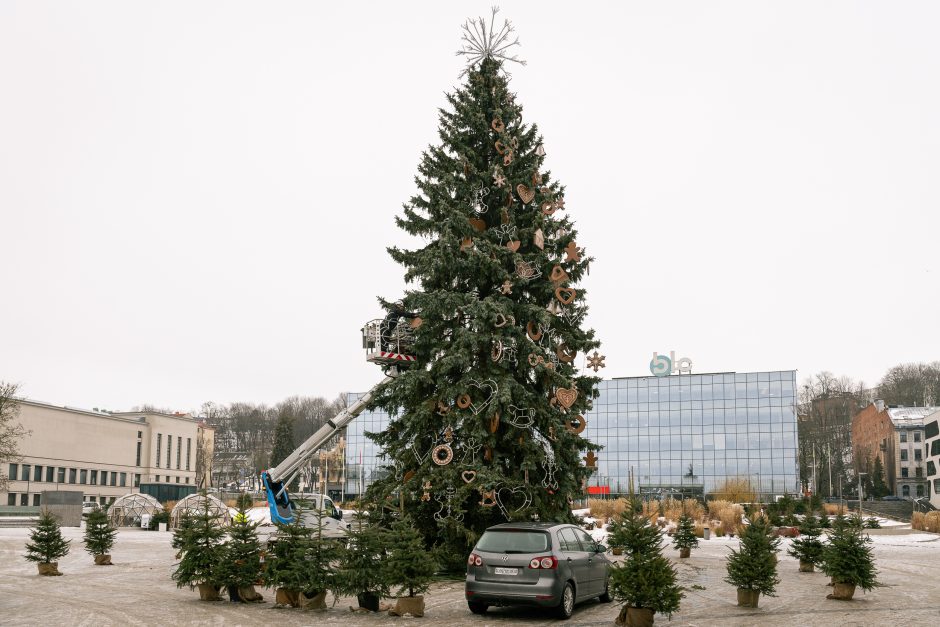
[(752, 567), (489, 422), (807, 548), (46, 544), (99, 537), (645, 582), (240, 568), (684, 538), (201, 553)]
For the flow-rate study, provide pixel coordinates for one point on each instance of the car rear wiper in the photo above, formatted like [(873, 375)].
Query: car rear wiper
[(515, 551)]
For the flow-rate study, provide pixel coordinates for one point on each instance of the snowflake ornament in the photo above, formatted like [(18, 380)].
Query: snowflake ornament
[(484, 41), (596, 361)]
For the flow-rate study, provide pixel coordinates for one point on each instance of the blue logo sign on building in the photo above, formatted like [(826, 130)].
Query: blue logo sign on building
[(663, 366)]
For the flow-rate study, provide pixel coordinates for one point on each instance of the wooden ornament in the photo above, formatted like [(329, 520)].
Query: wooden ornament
[(442, 408), (526, 194), (463, 401), (494, 423), (489, 497), (497, 125), (596, 361), (514, 142), (565, 295), (478, 223), (466, 244), (566, 396), (538, 239), (468, 476), (576, 425), (488, 454), (416, 323), (513, 245), (535, 360), (540, 150), (507, 287), (501, 321), (590, 460), (548, 208), (558, 275), (507, 158), (572, 253), (408, 476), (509, 199), (560, 203), (525, 271), (500, 147), (536, 179), (442, 454), (504, 215), (534, 335), (565, 354)]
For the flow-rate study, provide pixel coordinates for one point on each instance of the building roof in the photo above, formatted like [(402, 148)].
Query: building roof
[(910, 416), (125, 416)]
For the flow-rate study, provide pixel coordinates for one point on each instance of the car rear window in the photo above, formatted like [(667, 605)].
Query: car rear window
[(513, 541)]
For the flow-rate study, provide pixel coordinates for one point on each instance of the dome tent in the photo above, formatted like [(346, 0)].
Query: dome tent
[(194, 504), (127, 510)]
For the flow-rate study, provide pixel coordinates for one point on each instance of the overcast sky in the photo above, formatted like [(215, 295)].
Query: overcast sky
[(196, 197)]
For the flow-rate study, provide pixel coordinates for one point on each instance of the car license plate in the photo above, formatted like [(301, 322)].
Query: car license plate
[(507, 571)]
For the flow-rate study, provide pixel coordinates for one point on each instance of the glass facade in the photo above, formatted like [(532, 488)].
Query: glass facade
[(688, 433), (683, 433)]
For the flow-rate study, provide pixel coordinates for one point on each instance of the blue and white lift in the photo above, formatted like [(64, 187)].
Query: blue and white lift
[(390, 344)]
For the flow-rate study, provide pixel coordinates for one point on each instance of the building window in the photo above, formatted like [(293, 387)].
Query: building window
[(918, 455), (904, 472), (903, 436), (104, 477), (24, 500), (140, 434), (11, 499), (935, 447), (187, 479), (159, 446), (919, 472), (179, 451), (73, 475), (123, 479), (93, 480), (60, 476), (189, 446), (156, 479), (14, 472), (936, 486), (136, 481), (905, 490), (169, 449), (50, 473), (931, 469), (113, 478), (177, 480), (37, 473), (903, 454), (139, 445), (26, 470), (920, 490), (917, 436), (35, 500), (83, 477)]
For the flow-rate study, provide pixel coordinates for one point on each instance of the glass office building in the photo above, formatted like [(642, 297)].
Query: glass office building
[(683, 433), (687, 433)]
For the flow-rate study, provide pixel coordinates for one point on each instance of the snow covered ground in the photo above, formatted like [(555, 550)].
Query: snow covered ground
[(138, 590)]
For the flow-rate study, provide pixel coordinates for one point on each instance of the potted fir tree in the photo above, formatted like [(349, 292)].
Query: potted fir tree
[(645, 582), (286, 568), (361, 570), (752, 568), (46, 544), (807, 548), (201, 552), (410, 568), (321, 558), (240, 568), (848, 560), (684, 538), (99, 537)]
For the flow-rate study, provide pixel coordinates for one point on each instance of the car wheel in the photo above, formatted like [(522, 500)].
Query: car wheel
[(605, 598), (566, 606), (477, 608)]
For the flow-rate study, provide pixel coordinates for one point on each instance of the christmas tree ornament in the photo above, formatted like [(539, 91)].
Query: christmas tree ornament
[(565, 295), (449, 434), (513, 500), (427, 491), (442, 408), (504, 216), (596, 361), (466, 244), (506, 233), (576, 425), (488, 389), (489, 498), (463, 401), (494, 423), (558, 275), (590, 460), (521, 418), (527, 271), (442, 454), (538, 239), (488, 454), (560, 203), (468, 476), (536, 179), (514, 142), (507, 158), (513, 246), (535, 359), (509, 199), (500, 147), (572, 253), (548, 208), (534, 331), (479, 205), (540, 150), (526, 194), (452, 513), (498, 179), (478, 224), (566, 396), (481, 40), (501, 320), (470, 448), (566, 354), (408, 476), (497, 125), (416, 323), (507, 287)]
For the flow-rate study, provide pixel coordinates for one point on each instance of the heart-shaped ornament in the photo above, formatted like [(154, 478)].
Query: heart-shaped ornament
[(558, 275), (513, 499), (487, 390), (501, 321), (566, 396), (565, 295), (500, 147), (513, 245), (468, 476), (538, 239), (526, 194)]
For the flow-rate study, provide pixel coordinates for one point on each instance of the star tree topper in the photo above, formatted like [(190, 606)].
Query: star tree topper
[(482, 41)]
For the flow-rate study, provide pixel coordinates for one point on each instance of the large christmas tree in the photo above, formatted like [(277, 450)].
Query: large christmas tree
[(490, 421)]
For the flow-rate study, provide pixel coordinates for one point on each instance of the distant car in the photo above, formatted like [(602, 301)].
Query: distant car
[(891, 497), (535, 563), (89, 507)]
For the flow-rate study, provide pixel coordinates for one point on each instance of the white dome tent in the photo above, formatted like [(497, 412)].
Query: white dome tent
[(194, 504), (127, 510)]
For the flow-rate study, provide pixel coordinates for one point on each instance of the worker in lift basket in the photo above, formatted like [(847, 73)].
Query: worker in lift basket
[(389, 325)]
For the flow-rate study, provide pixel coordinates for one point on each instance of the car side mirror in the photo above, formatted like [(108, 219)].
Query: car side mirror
[(600, 548)]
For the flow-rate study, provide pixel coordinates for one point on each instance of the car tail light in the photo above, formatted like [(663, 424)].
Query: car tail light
[(547, 562), (474, 560)]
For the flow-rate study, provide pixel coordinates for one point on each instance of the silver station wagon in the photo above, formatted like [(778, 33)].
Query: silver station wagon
[(541, 564)]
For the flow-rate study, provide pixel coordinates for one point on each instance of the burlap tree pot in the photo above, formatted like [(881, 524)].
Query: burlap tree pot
[(408, 605), (842, 591), (685, 552), (747, 597), (806, 567), (368, 601), (248, 594), (208, 592), (284, 596), (49, 569), (102, 560), (639, 617), (315, 602), (617, 550)]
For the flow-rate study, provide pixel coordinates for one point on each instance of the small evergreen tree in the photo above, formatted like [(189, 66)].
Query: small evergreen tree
[(409, 565), (753, 566), (808, 548), (286, 563), (244, 501), (321, 558), (201, 550), (361, 562), (878, 486), (241, 556), (645, 579), (283, 443), (99, 536), (848, 559), (685, 534), (46, 543)]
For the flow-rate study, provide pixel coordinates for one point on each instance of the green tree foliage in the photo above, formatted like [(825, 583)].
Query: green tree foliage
[(753, 565), (321, 559), (244, 501), (200, 549), (684, 537), (46, 543), (283, 442), (362, 561), (848, 558), (241, 556), (645, 579), (99, 534), (409, 565), (287, 561), (808, 547), (878, 486), (500, 258)]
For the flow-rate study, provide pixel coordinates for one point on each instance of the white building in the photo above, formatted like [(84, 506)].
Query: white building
[(104, 454), (932, 453)]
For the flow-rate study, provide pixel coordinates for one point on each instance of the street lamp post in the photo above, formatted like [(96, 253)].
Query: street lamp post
[(860, 492)]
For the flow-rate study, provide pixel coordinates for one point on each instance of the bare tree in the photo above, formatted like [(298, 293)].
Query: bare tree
[(912, 385), (11, 431)]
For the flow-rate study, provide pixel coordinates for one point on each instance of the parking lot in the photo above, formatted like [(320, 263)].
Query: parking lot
[(138, 591)]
